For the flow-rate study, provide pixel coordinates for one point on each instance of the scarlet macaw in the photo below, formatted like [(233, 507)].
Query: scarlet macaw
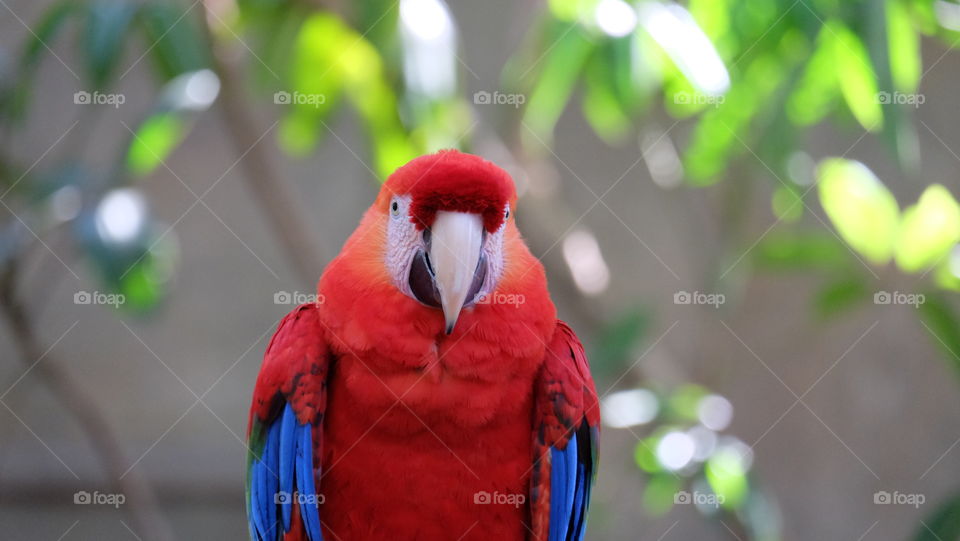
[(430, 392)]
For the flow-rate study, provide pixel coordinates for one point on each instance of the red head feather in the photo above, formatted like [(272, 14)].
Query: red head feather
[(454, 181)]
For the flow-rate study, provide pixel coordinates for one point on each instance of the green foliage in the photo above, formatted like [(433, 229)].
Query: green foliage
[(177, 46), (929, 230), (156, 137), (941, 321), (106, 27), (618, 342), (943, 524), (862, 209)]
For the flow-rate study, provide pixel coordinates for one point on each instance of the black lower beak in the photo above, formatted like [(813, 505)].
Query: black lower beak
[(423, 283)]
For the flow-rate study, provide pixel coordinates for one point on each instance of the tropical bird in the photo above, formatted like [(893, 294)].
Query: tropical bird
[(429, 392)]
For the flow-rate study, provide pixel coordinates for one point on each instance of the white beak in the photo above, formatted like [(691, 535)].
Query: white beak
[(455, 242)]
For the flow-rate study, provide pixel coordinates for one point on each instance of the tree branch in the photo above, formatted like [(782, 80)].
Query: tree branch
[(141, 501), (275, 196)]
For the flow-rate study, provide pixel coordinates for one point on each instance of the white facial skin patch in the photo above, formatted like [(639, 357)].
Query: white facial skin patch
[(404, 241)]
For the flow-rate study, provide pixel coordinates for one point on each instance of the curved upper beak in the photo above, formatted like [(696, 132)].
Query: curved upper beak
[(455, 242)]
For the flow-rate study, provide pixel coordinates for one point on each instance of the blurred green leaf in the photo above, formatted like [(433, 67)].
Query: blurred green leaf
[(660, 492), (787, 203), (155, 139), (856, 76), (140, 287), (685, 400), (107, 24), (569, 10), (943, 524), (841, 294), (941, 322), (603, 105), (816, 92), (789, 250), (945, 273), (725, 473), (177, 46), (135, 268), (14, 100), (330, 59), (720, 131), (864, 212), (713, 16), (928, 229), (644, 454), (44, 33), (556, 80), (904, 47), (316, 75), (618, 341)]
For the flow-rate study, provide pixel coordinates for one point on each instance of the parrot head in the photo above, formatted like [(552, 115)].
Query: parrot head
[(446, 216), (437, 279)]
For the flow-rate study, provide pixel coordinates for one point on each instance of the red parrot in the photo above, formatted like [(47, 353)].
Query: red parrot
[(430, 393)]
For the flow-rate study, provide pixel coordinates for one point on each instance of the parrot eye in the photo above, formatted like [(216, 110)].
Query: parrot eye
[(395, 208), (506, 214)]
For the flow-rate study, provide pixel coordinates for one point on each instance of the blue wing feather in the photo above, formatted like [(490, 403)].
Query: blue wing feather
[(305, 484), (272, 481), (286, 457), (255, 500), (559, 487)]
